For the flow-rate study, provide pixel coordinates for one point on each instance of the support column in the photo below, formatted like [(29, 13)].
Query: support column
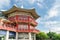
[(7, 35), (16, 35), (30, 38), (34, 36)]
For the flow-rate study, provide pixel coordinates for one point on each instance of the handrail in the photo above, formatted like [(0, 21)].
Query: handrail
[(8, 28)]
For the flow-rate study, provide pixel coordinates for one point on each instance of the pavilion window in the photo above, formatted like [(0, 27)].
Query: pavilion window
[(2, 32), (23, 26), (12, 35), (22, 18), (12, 18)]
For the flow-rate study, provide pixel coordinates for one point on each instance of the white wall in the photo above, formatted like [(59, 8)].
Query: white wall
[(26, 35), (11, 39)]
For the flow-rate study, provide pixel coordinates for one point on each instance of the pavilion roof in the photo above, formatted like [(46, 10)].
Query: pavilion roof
[(14, 8)]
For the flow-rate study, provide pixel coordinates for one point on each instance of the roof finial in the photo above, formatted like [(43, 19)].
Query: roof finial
[(15, 5), (22, 6)]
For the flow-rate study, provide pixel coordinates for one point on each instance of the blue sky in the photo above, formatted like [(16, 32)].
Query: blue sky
[(49, 10)]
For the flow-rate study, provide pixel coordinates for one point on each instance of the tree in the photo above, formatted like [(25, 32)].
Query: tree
[(53, 36), (50, 35), (58, 36), (42, 36)]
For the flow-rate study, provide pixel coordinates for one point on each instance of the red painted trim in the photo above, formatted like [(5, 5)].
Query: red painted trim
[(21, 30), (28, 24), (16, 23)]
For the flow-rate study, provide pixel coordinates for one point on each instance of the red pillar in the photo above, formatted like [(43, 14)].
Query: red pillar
[(28, 24), (16, 22)]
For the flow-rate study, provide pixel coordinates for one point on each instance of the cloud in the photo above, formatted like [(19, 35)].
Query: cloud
[(41, 3), (53, 26), (46, 31), (31, 1), (54, 11), (4, 3), (38, 1)]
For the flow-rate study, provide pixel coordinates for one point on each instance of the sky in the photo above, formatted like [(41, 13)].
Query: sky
[(49, 10)]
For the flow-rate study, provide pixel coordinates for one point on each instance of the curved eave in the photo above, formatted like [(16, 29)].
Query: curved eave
[(14, 8), (35, 14)]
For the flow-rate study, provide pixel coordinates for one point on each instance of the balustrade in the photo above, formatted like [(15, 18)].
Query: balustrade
[(13, 28), (8, 27)]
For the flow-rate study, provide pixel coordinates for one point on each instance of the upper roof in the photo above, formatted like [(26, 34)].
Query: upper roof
[(14, 8)]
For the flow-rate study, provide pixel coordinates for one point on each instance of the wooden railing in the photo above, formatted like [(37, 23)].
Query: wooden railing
[(4, 27), (27, 30), (19, 30), (23, 19)]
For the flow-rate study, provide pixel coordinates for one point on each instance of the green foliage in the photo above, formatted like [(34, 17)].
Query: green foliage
[(42, 36), (52, 35), (58, 36), (48, 36)]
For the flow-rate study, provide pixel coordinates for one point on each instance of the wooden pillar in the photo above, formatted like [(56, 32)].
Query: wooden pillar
[(34, 36), (28, 24), (30, 37), (16, 35), (7, 35)]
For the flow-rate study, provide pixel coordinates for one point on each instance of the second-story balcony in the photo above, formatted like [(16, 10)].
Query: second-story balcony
[(15, 29), (28, 30), (5, 27), (23, 19), (18, 30), (25, 28)]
